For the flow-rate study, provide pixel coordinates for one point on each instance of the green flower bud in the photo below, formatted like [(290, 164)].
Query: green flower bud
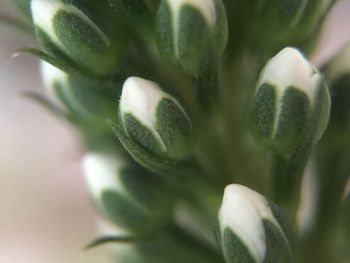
[(291, 104), (250, 228), (71, 36), (87, 101), (154, 119), (282, 22), (127, 195), (177, 39)]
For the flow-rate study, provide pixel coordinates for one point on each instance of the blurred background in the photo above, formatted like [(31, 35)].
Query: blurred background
[(45, 211)]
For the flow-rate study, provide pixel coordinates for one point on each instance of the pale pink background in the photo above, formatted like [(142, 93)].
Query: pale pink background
[(45, 213)]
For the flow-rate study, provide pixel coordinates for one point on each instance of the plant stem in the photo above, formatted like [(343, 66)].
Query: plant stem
[(334, 172), (189, 240), (286, 177), (207, 83)]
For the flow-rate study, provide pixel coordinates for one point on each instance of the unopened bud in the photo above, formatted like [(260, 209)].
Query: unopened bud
[(85, 100), (191, 30), (155, 119), (250, 228), (71, 36), (291, 104), (283, 22), (126, 194)]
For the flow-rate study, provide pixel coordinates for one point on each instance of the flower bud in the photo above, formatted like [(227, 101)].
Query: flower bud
[(131, 198), (71, 36), (154, 119), (177, 39), (282, 22), (87, 101), (250, 228), (291, 104)]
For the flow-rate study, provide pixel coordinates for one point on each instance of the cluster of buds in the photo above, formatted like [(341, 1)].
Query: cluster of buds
[(159, 157)]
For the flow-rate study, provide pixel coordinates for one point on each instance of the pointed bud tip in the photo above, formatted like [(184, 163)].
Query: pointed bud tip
[(289, 68), (241, 211), (141, 97)]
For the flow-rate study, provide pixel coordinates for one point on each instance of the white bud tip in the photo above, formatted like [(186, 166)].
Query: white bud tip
[(101, 172), (141, 97), (43, 12), (290, 68), (50, 74), (242, 211), (239, 212)]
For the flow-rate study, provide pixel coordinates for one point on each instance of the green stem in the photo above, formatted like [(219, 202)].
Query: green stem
[(332, 186), (192, 242), (286, 177), (207, 83), (334, 172), (202, 193)]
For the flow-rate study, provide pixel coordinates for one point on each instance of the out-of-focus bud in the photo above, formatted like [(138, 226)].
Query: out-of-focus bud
[(154, 119), (250, 228), (337, 73), (127, 195), (86, 101), (191, 30), (291, 104), (74, 38), (136, 12), (282, 22)]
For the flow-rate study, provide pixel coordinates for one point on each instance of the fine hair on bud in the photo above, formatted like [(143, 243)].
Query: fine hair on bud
[(291, 104), (179, 43), (155, 119), (250, 228), (72, 37)]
